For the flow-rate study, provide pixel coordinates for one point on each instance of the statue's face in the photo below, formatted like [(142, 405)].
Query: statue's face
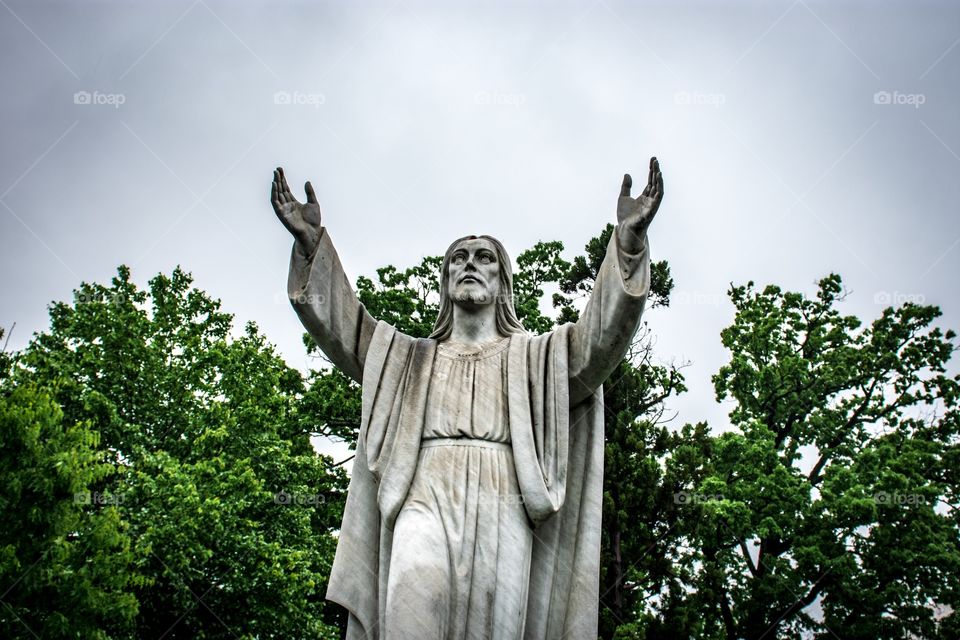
[(474, 277)]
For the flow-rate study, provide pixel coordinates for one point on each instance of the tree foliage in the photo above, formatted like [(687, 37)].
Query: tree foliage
[(160, 481), (226, 508), (65, 565), (837, 483)]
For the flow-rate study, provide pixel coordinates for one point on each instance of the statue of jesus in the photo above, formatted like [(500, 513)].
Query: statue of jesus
[(475, 497)]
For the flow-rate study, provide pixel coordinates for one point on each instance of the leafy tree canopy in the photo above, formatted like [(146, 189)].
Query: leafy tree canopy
[(217, 496)]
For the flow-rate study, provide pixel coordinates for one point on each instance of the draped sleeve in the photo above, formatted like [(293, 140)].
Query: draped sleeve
[(328, 307), (602, 335)]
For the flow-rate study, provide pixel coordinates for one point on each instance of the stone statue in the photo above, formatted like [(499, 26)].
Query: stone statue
[(475, 496)]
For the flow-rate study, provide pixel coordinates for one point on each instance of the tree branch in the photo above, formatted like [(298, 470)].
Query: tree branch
[(746, 556), (801, 603)]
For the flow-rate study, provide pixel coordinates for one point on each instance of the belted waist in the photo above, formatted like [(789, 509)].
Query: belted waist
[(465, 442)]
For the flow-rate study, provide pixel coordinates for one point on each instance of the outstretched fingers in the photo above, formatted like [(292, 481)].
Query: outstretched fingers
[(652, 189), (657, 180), (274, 192), (284, 187), (286, 196), (280, 192), (278, 186), (311, 196)]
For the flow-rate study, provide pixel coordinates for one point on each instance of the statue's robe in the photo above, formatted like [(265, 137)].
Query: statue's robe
[(555, 409)]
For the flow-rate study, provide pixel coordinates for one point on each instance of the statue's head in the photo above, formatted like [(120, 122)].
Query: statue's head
[(476, 272)]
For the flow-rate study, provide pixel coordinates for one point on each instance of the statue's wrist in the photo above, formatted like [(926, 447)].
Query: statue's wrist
[(306, 248), (631, 239)]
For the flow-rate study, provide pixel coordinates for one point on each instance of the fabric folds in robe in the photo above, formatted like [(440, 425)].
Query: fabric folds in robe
[(558, 455)]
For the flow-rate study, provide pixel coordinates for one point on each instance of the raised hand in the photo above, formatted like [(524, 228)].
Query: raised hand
[(301, 220), (636, 214)]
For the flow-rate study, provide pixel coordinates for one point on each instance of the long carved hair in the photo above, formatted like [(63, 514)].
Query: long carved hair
[(506, 315)]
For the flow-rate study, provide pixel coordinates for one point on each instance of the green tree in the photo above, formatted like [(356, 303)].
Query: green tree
[(838, 482), (639, 511), (836, 485), (229, 509), (408, 299), (65, 556)]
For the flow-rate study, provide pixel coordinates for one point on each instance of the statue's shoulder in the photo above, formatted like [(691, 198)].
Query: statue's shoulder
[(546, 342), (385, 344), (389, 352), (558, 331)]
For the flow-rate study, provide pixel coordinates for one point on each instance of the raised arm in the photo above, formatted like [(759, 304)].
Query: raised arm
[(602, 335), (317, 285)]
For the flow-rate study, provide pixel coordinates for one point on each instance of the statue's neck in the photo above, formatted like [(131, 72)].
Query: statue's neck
[(474, 325)]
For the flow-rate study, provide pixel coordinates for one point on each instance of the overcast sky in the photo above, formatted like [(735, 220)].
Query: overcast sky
[(796, 139)]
